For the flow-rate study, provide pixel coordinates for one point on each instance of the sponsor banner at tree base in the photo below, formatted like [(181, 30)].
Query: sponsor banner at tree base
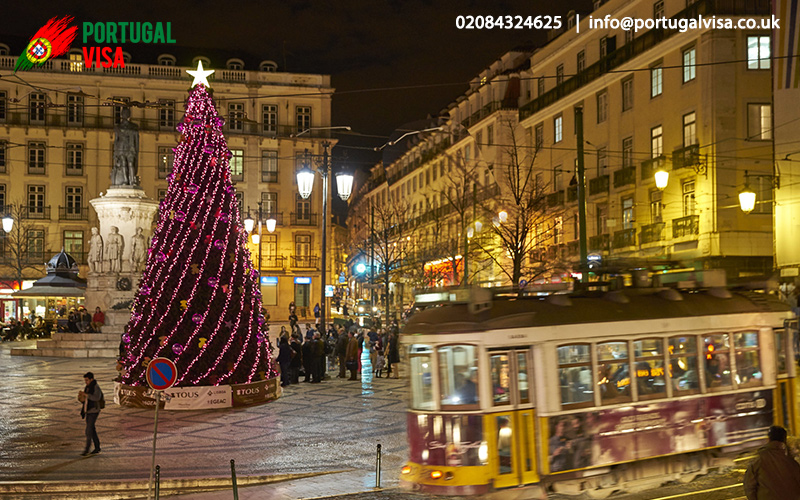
[(200, 397)]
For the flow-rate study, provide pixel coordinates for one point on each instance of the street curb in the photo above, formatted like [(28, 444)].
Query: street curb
[(128, 489)]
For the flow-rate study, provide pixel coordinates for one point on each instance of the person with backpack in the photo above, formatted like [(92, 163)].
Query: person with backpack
[(93, 401)]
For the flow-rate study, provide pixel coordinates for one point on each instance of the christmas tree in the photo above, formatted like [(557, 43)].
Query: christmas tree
[(199, 300)]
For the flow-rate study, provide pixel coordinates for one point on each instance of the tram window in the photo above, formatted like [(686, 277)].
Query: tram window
[(458, 375), (501, 381), (613, 375), (649, 358), (522, 378), (575, 374), (780, 352), (718, 361), (421, 378), (748, 366), (683, 365), (504, 441)]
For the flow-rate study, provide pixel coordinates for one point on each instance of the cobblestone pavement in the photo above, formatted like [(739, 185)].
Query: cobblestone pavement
[(334, 425)]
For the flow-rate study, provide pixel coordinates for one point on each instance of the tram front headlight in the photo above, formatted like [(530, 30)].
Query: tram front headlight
[(483, 453), (436, 474), (405, 470)]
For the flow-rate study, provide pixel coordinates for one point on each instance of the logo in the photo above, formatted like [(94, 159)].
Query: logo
[(52, 40)]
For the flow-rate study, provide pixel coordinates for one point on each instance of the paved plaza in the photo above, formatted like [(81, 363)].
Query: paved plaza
[(332, 426)]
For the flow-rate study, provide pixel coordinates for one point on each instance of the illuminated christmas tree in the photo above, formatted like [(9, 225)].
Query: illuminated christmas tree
[(199, 300)]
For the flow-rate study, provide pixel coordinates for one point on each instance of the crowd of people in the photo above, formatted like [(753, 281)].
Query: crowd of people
[(76, 320)]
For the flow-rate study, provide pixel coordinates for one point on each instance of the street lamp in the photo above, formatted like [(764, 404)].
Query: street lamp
[(747, 197), (305, 184), (662, 178), (8, 223)]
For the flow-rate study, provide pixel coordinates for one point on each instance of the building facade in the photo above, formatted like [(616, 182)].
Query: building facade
[(56, 147)]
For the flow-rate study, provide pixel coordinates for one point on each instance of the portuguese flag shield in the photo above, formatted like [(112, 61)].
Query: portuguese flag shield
[(52, 40)]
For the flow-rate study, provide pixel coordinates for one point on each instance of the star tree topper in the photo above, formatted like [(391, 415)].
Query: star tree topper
[(200, 75)]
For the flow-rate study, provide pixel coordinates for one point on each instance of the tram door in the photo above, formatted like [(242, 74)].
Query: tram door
[(511, 422)]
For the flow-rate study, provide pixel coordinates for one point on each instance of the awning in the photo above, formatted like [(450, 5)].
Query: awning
[(50, 291)]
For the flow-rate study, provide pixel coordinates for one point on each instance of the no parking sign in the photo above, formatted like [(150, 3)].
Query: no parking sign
[(161, 373)]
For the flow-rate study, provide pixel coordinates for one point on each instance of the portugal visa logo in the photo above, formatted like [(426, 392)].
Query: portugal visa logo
[(52, 40)]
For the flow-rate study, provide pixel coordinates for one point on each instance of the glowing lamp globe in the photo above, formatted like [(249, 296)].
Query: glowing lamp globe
[(271, 223), (361, 268), (8, 223), (662, 178), (747, 200), (344, 185), (305, 181), (256, 238), (502, 216), (249, 223)]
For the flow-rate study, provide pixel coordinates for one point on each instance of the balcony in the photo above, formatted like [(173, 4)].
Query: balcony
[(686, 157), (573, 248), (651, 166), (572, 193), (35, 212), (303, 219), (598, 185), (555, 199), (651, 233), (599, 243), (686, 226), (305, 261), (73, 213), (269, 176), (624, 238), (273, 262), (624, 177)]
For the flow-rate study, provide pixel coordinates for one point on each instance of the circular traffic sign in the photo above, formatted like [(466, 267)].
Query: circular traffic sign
[(161, 373)]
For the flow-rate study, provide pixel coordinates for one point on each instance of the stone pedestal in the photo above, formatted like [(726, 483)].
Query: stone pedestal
[(126, 208)]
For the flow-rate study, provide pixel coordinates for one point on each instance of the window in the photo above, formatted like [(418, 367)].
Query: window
[(601, 215), (758, 52), (467, 157), (683, 365), (627, 152), (627, 212), (540, 86), (558, 230), (539, 136), (656, 82), (303, 209), (629, 34), (581, 63), (762, 186), (74, 202), (458, 375), (166, 60), (613, 377), (557, 174), (303, 118), (748, 365), (36, 200), (656, 142), (236, 164), (269, 204), (718, 361), (689, 129), (269, 166), (658, 9), (74, 109), (655, 206), (269, 112), (3, 152), (165, 158), (119, 103), (490, 135), (36, 158), (3, 105), (688, 198), (501, 381), (421, 361), (235, 116), (559, 74), (240, 204), (73, 244), (269, 246), (689, 68), (759, 122), (603, 47), (3, 198), (35, 244), (166, 113), (602, 160), (575, 374), (557, 128), (162, 194), (302, 245), (627, 93), (74, 159), (302, 295), (602, 107), (649, 368), (36, 107)]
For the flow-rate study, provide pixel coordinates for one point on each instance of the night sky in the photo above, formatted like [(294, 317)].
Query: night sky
[(369, 48)]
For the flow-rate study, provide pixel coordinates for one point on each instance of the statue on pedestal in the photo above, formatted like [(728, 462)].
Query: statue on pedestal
[(126, 152), (115, 243), (138, 250), (95, 257)]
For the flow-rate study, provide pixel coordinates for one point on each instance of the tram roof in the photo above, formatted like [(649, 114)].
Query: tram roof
[(593, 307)]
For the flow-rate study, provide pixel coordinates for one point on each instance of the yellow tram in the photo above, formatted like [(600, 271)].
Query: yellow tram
[(595, 391)]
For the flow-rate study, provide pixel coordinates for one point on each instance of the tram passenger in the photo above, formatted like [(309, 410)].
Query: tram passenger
[(560, 448), (468, 392)]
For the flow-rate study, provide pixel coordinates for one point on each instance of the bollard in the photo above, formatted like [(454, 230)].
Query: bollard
[(158, 480), (378, 468), (233, 478)]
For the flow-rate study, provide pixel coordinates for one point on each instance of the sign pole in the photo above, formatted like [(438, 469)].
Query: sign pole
[(155, 433)]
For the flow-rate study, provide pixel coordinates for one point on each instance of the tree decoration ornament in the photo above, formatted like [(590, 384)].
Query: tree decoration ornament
[(220, 339), (126, 338), (200, 75)]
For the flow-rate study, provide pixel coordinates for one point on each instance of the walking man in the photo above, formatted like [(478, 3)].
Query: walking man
[(92, 398), (773, 474)]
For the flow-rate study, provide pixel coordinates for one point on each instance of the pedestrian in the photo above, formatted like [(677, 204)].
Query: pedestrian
[(341, 353), (773, 474), (319, 358), (72, 321), (351, 356), (284, 359), (317, 313), (98, 319), (308, 358), (85, 324), (297, 359), (92, 398), (392, 356)]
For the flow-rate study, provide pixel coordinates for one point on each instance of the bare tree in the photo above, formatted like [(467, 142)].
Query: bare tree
[(21, 252)]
